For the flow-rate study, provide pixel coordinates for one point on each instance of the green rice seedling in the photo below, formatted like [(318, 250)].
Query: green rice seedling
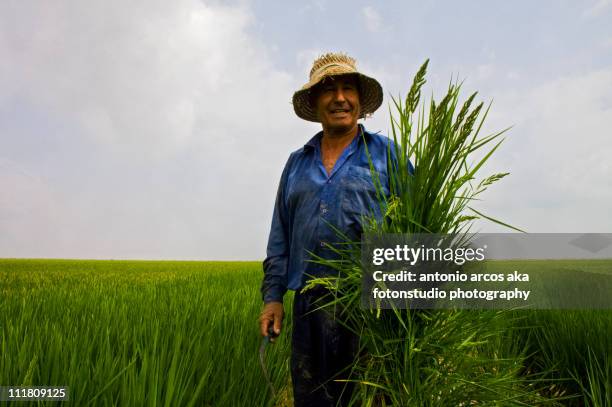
[(430, 358), (597, 386), (573, 348), (137, 332)]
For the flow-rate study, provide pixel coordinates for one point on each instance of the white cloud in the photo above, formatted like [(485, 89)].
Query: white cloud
[(143, 77), (558, 153), (144, 86), (597, 9), (316, 5), (372, 18)]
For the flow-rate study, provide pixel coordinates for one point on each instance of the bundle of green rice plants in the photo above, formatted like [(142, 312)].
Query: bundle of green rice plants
[(429, 357)]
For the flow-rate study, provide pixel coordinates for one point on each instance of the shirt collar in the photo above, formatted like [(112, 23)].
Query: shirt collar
[(316, 139)]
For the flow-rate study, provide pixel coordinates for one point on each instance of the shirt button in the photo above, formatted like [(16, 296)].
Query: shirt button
[(322, 243), (323, 210), (329, 181)]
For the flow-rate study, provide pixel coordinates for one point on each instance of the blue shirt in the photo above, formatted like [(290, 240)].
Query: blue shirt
[(307, 197)]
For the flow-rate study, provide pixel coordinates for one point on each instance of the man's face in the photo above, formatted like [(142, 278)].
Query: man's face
[(337, 103)]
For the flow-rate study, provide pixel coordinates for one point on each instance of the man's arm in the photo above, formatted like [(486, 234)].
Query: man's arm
[(274, 284)]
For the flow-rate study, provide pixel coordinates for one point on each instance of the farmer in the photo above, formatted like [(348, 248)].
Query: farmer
[(327, 180)]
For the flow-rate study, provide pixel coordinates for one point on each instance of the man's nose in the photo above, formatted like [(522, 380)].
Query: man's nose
[(339, 95)]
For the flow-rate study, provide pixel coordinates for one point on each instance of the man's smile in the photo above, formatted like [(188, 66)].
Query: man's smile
[(340, 113)]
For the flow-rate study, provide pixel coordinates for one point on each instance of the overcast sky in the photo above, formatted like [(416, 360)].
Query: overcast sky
[(158, 130)]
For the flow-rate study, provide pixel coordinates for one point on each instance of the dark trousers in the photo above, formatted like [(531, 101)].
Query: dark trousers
[(322, 350)]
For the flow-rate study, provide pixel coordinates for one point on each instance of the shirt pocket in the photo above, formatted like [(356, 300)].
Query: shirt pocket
[(300, 191), (359, 195)]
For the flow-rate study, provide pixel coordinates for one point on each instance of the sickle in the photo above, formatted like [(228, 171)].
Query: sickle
[(262, 353)]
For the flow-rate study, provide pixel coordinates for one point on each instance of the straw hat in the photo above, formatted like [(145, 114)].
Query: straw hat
[(333, 64)]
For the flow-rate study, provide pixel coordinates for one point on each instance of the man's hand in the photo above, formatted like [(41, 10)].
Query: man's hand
[(272, 313)]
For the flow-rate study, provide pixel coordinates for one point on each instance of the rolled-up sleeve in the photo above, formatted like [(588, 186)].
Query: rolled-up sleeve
[(275, 265)]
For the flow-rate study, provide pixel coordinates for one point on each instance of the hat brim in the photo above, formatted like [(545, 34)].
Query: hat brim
[(370, 97)]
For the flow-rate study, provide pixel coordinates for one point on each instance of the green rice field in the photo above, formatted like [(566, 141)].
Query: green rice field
[(178, 333), (132, 333)]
